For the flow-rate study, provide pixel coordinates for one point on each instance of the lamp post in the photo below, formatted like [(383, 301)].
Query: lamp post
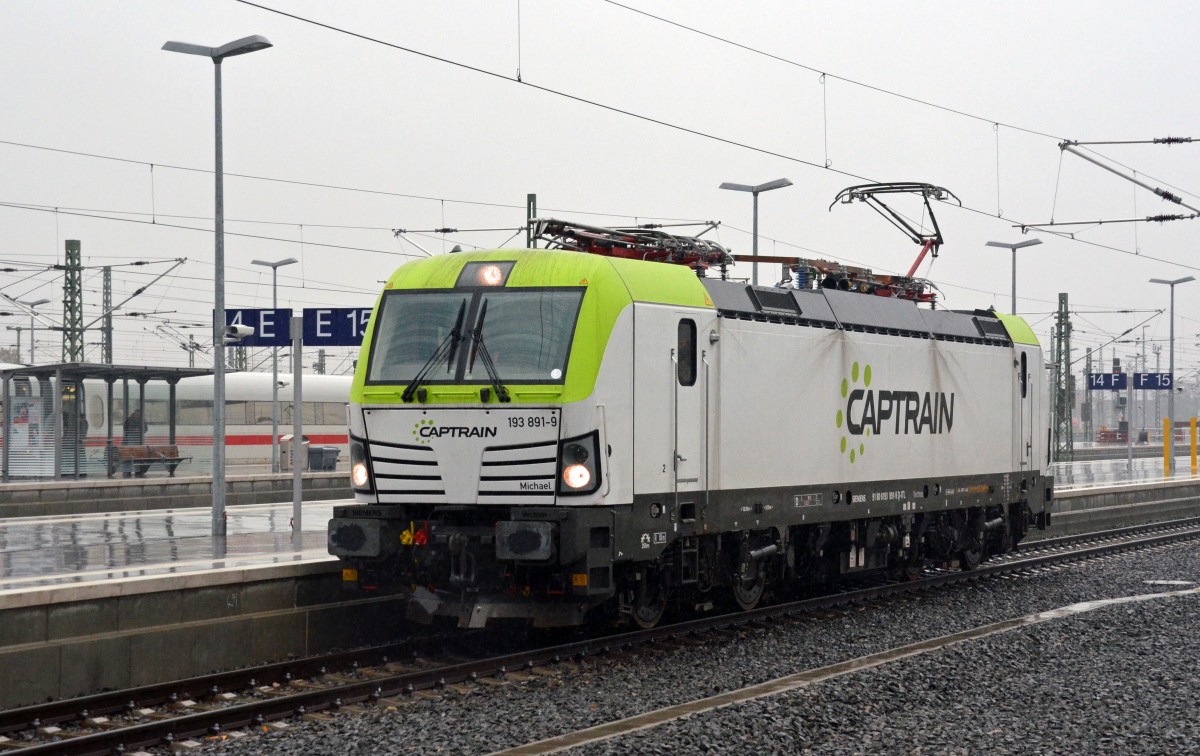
[(218, 54), (1169, 440), (1014, 248), (275, 266), (756, 190), (32, 307)]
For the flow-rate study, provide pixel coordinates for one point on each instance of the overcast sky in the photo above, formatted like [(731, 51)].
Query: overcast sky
[(397, 139)]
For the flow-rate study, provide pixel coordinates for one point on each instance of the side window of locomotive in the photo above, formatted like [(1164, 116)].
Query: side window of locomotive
[(685, 367), (1024, 377)]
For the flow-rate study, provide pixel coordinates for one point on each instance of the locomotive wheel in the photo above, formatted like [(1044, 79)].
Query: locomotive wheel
[(650, 601), (748, 591), (969, 558)]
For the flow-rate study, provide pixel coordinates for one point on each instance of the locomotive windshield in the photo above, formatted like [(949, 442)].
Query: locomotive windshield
[(527, 333)]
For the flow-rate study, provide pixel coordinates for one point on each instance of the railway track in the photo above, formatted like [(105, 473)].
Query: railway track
[(233, 704)]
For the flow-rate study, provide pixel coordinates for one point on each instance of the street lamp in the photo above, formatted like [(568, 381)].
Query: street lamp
[(275, 266), (1014, 248), (756, 190), (1169, 439), (32, 306), (218, 54)]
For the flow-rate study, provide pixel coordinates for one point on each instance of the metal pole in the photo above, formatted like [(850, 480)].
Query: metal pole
[(6, 409), (1142, 393), (218, 455), (297, 431), (32, 337), (755, 246), (1014, 282), (1170, 459), (274, 380)]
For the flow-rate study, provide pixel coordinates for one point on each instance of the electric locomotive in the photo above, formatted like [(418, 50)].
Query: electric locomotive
[(554, 435)]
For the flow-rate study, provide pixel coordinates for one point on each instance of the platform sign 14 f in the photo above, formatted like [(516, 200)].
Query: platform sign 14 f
[(1107, 381)]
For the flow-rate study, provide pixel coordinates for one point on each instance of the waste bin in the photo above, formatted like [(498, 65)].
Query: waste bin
[(323, 458), (286, 456)]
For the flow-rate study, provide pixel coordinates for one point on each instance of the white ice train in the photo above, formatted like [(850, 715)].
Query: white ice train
[(247, 426)]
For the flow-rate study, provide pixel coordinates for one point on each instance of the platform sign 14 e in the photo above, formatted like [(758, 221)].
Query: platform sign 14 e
[(323, 326), (270, 326)]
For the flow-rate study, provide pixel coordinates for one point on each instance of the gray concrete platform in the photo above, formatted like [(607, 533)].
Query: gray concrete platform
[(99, 601)]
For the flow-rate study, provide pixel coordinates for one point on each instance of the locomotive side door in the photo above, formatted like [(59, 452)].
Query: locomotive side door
[(1025, 393), (671, 387)]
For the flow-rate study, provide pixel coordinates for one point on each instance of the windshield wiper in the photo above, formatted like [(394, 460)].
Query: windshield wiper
[(448, 348), (480, 348)]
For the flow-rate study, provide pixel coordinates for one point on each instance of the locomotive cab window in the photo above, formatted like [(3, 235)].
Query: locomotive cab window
[(685, 368), (526, 334)]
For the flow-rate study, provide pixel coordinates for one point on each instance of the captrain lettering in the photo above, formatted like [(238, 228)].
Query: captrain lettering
[(901, 412)]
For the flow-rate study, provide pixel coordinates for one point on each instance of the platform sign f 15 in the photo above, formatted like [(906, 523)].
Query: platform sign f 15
[(1152, 381)]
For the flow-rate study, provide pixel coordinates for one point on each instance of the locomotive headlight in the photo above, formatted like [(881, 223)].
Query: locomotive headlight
[(360, 466), (484, 274), (358, 474), (579, 464), (491, 275), (577, 476)]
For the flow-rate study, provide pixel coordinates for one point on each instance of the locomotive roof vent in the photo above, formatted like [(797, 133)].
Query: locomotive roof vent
[(770, 299)]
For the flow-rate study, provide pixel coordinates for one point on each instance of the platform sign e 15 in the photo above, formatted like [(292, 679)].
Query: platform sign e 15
[(1152, 381), (1109, 381), (335, 326), (270, 326)]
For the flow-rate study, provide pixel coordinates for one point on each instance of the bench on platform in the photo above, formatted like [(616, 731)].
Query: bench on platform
[(138, 459)]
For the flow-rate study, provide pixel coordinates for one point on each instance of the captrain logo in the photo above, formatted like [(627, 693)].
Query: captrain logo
[(425, 430), (869, 412), (422, 425)]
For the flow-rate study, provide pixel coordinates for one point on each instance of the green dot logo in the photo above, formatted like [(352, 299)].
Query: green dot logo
[(841, 420), (418, 437)]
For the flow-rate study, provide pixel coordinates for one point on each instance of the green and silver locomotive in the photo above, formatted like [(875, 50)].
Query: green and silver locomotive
[(556, 435)]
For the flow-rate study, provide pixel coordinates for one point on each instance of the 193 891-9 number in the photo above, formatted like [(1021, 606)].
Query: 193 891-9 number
[(533, 421)]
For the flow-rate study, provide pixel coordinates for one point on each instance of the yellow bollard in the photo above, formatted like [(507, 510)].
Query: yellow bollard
[(1193, 446), (1166, 446)]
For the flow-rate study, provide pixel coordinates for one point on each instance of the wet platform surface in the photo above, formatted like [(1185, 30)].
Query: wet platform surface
[(1108, 472), (45, 552)]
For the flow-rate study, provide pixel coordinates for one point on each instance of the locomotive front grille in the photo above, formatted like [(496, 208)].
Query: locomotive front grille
[(406, 474), (524, 472), (463, 456)]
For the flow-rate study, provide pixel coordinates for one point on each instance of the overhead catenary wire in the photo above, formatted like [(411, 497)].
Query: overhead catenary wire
[(320, 185), (790, 62), (668, 124)]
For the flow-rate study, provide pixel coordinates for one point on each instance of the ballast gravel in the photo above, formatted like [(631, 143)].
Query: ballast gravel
[(1120, 679)]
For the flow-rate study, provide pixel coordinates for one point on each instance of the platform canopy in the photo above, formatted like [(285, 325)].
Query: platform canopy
[(88, 371), (60, 446)]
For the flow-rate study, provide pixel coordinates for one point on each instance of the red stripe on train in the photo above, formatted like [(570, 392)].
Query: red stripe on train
[(320, 439)]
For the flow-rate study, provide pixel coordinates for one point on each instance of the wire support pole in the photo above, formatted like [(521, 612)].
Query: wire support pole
[(1147, 219), (1164, 194), (1156, 140)]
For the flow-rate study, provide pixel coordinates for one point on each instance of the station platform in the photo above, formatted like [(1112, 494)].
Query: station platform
[(41, 554), (105, 600)]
